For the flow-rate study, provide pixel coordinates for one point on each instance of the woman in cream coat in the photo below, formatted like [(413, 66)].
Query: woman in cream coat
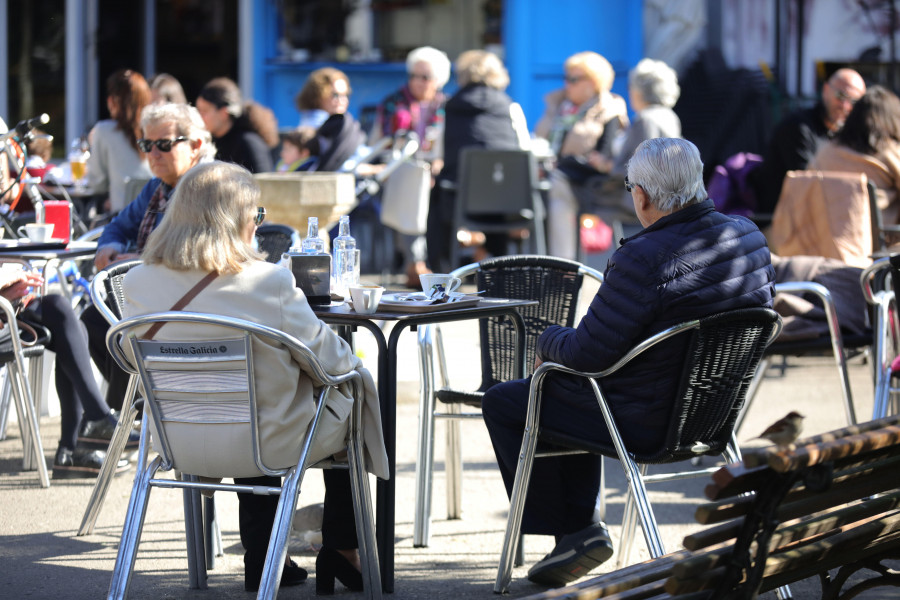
[(208, 226)]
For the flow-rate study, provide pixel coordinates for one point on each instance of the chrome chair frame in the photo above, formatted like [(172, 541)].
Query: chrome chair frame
[(637, 504), (27, 399), (429, 338), (101, 285), (886, 344), (288, 492), (837, 348)]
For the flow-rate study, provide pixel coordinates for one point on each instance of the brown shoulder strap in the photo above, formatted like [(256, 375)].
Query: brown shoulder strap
[(184, 301)]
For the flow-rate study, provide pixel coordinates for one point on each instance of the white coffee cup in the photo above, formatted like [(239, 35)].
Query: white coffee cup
[(429, 280), (366, 298), (37, 232)]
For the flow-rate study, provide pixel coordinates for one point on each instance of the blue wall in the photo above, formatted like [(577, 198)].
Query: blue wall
[(538, 36)]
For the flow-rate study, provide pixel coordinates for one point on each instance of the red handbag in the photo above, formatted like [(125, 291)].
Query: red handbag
[(596, 236)]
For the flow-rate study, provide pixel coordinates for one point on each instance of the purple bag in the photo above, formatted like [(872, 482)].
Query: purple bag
[(728, 186)]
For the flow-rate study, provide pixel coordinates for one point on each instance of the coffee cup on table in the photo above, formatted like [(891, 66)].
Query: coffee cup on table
[(37, 232), (366, 297), (430, 280)]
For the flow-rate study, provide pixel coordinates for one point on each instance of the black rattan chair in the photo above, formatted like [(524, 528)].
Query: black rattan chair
[(555, 283), (720, 358)]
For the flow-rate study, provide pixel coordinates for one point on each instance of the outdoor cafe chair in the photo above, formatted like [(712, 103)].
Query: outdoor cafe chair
[(880, 282), (211, 396), (108, 297), (720, 357), (835, 343), (25, 386), (555, 283)]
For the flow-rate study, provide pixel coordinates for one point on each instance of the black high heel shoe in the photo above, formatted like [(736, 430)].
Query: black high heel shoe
[(330, 564)]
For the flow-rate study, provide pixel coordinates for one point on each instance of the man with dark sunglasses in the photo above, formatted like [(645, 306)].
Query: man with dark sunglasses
[(798, 136)]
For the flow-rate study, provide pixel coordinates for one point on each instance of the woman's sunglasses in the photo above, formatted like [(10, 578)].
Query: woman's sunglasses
[(164, 145), (260, 215)]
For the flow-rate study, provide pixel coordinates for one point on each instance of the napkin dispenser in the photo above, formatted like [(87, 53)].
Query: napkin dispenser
[(313, 275)]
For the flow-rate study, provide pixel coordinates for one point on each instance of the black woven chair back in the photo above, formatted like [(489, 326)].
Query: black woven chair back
[(274, 239), (554, 282), (115, 295), (722, 357)]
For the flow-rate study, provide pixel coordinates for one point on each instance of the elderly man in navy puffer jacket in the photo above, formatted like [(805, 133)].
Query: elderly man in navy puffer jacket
[(689, 261)]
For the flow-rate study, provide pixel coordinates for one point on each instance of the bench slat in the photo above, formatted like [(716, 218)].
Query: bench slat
[(812, 454)]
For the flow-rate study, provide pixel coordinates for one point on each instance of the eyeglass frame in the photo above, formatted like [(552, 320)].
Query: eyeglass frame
[(260, 215), (629, 186), (843, 96), (573, 79), (141, 143), (420, 76)]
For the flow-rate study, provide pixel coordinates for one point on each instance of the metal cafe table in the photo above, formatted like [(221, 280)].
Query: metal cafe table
[(348, 321)]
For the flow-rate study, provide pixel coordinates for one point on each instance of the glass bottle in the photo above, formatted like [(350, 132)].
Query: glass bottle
[(346, 270), (313, 244)]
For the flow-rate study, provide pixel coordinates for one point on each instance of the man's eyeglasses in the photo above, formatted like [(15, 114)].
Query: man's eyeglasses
[(420, 76), (339, 96), (573, 79), (260, 215), (164, 145), (844, 96), (630, 186)]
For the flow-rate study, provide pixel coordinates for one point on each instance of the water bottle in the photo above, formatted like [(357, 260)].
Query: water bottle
[(346, 271), (313, 244)]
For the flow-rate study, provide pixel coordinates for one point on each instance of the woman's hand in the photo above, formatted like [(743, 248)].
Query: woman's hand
[(107, 255), (16, 284), (600, 162)]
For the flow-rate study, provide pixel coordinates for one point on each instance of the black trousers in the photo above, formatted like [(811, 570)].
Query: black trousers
[(257, 515), (78, 393), (563, 490), (117, 379)]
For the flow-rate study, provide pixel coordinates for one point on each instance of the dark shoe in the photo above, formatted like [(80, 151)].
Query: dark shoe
[(574, 556), (292, 574), (330, 564), (96, 434), (82, 462)]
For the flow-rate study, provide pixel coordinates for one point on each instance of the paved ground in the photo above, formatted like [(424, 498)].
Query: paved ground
[(40, 556)]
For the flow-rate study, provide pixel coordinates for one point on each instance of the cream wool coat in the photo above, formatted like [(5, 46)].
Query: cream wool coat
[(266, 293)]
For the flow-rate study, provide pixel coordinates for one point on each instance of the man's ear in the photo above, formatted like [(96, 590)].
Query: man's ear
[(642, 198)]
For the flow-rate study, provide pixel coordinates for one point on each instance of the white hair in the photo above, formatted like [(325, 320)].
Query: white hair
[(188, 123), (670, 172), (656, 82), (437, 60)]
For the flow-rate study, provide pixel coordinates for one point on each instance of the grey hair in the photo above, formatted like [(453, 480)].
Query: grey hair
[(656, 82), (188, 123), (437, 60), (670, 172)]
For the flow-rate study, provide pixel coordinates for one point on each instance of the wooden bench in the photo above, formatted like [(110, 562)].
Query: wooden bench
[(779, 517)]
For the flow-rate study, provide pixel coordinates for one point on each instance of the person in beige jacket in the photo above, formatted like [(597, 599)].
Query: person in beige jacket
[(209, 226), (869, 143), (581, 118)]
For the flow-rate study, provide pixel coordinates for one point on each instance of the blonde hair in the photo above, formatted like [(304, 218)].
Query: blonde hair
[(204, 222), (595, 67), (480, 66)]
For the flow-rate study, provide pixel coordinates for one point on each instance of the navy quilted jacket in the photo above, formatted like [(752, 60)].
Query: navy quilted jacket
[(692, 263)]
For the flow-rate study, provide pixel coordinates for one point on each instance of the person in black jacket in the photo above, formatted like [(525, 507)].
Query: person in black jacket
[(223, 111), (478, 115), (689, 261), (797, 138)]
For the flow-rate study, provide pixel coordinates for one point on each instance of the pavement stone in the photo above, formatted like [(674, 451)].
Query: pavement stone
[(41, 557)]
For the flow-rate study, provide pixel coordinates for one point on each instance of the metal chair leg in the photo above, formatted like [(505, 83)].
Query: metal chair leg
[(131, 531), (113, 453), (425, 459), (453, 466), (193, 530), (5, 392), (28, 422)]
